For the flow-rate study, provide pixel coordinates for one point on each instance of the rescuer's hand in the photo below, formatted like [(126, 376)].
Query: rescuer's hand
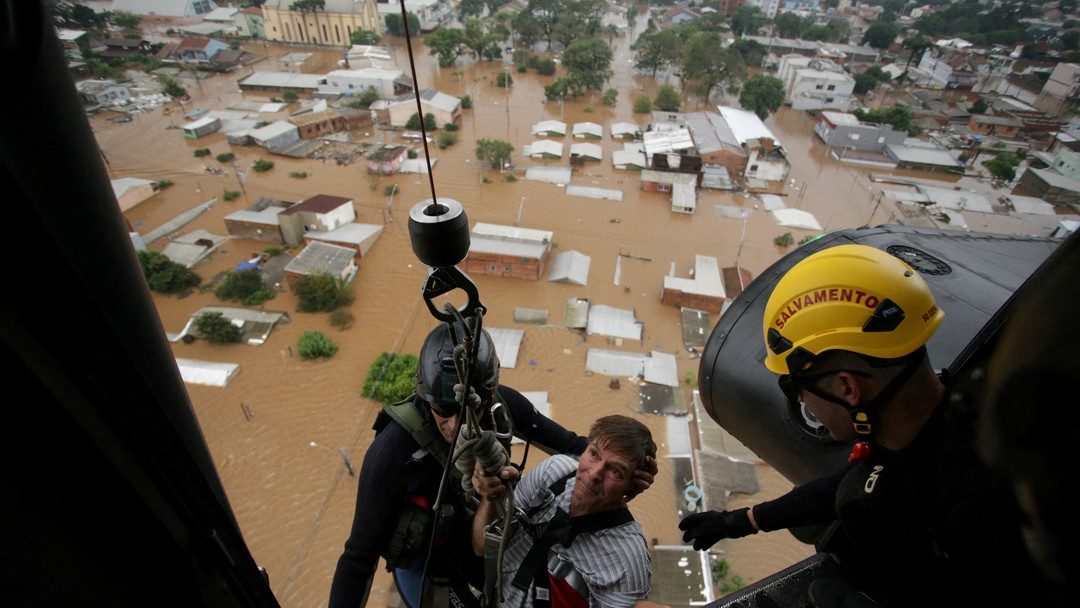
[(491, 486), (706, 529), (643, 478)]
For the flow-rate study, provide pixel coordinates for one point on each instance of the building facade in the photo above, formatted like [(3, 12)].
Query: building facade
[(331, 26)]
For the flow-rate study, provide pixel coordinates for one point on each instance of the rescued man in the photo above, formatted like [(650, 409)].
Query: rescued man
[(575, 543)]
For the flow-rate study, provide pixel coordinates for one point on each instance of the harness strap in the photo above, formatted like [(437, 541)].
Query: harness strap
[(560, 529)]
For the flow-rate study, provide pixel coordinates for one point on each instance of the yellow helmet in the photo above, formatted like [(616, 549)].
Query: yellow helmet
[(850, 297)]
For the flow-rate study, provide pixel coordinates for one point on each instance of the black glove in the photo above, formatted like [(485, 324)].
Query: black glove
[(706, 529)]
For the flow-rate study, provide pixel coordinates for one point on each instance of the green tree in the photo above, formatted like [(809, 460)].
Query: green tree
[(391, 378), (495, 152), (751, 51), (588, 64), (545, 67), (881, 35), (364, 37), (747, 20), (979, 107), (171, 87), (667, 99), (558, 90), (125, 20), (504, 80), (447, 44), (214, 327), (706, 61), (244, 286), (315, 345), (790, 25), (164, 275), (466, 102), (430, 123), (321, 292), (1003, 166), (262, 165), (225, 157), (289, 96), (470, 9), (610, 97), (657, 50), (762, 94), (395, 26), (642, 105), (86, 17)]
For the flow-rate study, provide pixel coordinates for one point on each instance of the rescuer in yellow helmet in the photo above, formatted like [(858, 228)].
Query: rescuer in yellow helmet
[(920, 521), (846, 329)]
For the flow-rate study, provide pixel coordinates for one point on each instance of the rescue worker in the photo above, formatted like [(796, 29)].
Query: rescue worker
[(577, 545), (401, 473), (922, 519)]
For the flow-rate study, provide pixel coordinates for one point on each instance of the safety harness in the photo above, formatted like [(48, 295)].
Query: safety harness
[(553, 576), (414, 525)]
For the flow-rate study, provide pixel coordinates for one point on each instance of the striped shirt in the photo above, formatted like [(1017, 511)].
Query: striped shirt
[(614, 562)]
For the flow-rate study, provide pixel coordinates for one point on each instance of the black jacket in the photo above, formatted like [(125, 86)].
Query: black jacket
[(394, 469)]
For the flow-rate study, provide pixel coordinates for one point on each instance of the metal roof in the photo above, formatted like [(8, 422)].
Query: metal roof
[(507, 344), (321, 257), (587, 150), (745, 125), (570, 267), (593, 192), (615, 322), (657, 367), (705, 279), (206, 373), (544, 147), (796, 218), (588, 129)]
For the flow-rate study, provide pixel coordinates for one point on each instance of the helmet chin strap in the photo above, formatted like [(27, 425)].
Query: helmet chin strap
[(862, 415)]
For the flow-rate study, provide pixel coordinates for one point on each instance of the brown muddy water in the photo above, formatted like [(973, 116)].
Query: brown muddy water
[(294, 501)]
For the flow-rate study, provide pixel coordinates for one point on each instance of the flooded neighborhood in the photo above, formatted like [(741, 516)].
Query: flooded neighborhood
[(622, 226)]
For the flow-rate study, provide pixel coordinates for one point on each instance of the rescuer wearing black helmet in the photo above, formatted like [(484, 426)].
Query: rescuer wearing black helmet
[(921, 521), (402, 469)]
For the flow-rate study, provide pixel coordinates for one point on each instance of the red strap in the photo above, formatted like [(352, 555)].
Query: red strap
[(565, 596)]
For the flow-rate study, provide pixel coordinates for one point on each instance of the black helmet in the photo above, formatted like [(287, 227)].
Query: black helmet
[(436, 374)]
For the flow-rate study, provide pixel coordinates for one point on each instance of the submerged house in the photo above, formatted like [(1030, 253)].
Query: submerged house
[(508, 251)]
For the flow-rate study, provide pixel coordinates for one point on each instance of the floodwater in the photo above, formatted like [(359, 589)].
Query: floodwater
[(294, 501)]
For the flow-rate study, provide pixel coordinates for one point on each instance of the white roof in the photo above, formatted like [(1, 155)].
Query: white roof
[(221, 13), (544, 146), (959, 200), (122, 185), (841, 118), (662, 142), (512, 232), (358, 234), (273, 129), (206, 372), (772, 202), (367, 74), (622, 128), (587, 150), (582, 129), (608, 321), (442, 101), (610, 194), (163, 8), (623, 158), (1029, 204), (551, 175), (706, 280), (202, 122), (918, 152), (745, 125), (570, 267), (658, 368), (507, 344), (282, 80), (549, 126), (796, 218)]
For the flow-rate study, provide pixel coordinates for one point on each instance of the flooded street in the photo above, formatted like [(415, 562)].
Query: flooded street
[(295, 501)]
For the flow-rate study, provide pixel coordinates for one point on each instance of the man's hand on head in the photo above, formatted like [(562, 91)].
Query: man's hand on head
[(643, 478)]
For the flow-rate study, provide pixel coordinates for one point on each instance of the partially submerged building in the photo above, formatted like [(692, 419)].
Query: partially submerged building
[(704, 290), (321, 258), (508, 251)]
